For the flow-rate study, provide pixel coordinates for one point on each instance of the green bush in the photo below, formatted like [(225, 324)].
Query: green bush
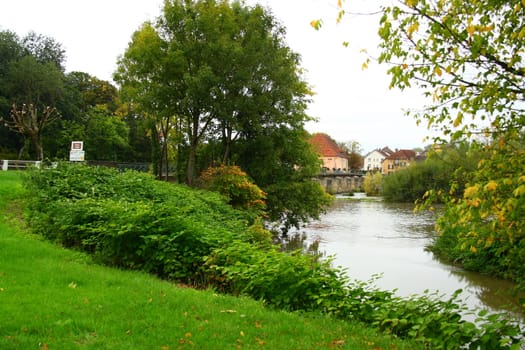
[(372, 184), (411, 184), (232, 182), (292, 281), (131, 220), (483, 224)]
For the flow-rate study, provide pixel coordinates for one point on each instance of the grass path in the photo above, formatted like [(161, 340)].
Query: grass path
[(53, 298)]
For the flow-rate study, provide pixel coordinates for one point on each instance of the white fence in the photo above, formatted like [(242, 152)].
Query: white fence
[(19, 164)]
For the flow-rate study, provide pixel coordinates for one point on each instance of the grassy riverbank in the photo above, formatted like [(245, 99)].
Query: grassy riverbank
[(53, 298)]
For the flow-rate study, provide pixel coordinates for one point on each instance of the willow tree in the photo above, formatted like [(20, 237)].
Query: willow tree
[(468, 57)]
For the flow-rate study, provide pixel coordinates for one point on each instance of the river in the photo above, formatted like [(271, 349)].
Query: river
[(369, 237)]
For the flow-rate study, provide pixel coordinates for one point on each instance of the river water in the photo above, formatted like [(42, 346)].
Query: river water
[(370, 237)]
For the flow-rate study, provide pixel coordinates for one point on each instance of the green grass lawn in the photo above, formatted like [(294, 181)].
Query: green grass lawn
[(53, 298)]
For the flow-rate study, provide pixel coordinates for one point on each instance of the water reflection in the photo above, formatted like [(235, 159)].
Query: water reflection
[(370, 237)]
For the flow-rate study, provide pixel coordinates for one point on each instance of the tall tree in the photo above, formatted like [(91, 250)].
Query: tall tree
[(264, 88), (221, 76), (146, 74), (214, 68), (44, 49)]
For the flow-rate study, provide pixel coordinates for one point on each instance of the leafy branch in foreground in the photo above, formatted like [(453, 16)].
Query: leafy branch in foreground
[(467, 57)]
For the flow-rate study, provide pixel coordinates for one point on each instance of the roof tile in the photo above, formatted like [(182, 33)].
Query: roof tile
[(326, 146)]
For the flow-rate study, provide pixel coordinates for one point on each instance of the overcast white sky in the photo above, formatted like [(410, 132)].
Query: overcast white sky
[(350, 103)]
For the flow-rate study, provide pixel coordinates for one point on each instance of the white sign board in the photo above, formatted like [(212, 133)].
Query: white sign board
[(77, 145), (76, 154)]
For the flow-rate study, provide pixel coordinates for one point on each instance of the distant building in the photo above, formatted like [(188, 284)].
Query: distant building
[(334, 157), (400, 159), (373, 161)]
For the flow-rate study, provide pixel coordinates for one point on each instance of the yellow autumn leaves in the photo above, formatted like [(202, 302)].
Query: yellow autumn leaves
[(472, 191)]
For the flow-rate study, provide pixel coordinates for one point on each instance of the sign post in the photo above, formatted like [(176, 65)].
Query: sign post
[(76, 153)]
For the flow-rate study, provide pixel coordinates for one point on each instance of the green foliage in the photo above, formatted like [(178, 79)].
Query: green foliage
[(283, 163), (93, 92), (301, 282), (105, 136), (483, 225), (372, 184), (44, 49), (469, 63), (411, 184), (287, 281), (176, 76), (468, 58), (131, 220), (60, 299), (292, 203), (31, 75)]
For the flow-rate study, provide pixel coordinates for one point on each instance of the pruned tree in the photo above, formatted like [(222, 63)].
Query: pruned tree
[(29, 122)]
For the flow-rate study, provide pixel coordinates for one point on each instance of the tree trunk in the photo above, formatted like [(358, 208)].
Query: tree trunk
[(165, 131), (38, 149), (193, 133), (21, 151), (190, 172), (227, 146)]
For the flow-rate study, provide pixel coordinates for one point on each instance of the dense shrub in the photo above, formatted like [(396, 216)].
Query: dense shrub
[(483, 225), (291, 281), (410, 184), (131, 220), (234, 184), (372, 184)]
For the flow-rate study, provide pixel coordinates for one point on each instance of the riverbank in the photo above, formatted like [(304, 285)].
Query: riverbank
[(369, 236), (132, 221), (53, 298)]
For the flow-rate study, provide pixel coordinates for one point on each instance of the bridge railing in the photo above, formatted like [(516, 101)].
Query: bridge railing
[(342, 172)]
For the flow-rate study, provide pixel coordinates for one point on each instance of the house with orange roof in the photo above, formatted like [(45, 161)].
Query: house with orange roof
[(400, 159), (334, 158)]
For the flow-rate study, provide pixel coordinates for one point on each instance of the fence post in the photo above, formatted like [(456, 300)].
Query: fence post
[(5, 165)]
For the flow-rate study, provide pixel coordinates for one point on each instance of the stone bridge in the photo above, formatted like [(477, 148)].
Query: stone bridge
[(340, 181)]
